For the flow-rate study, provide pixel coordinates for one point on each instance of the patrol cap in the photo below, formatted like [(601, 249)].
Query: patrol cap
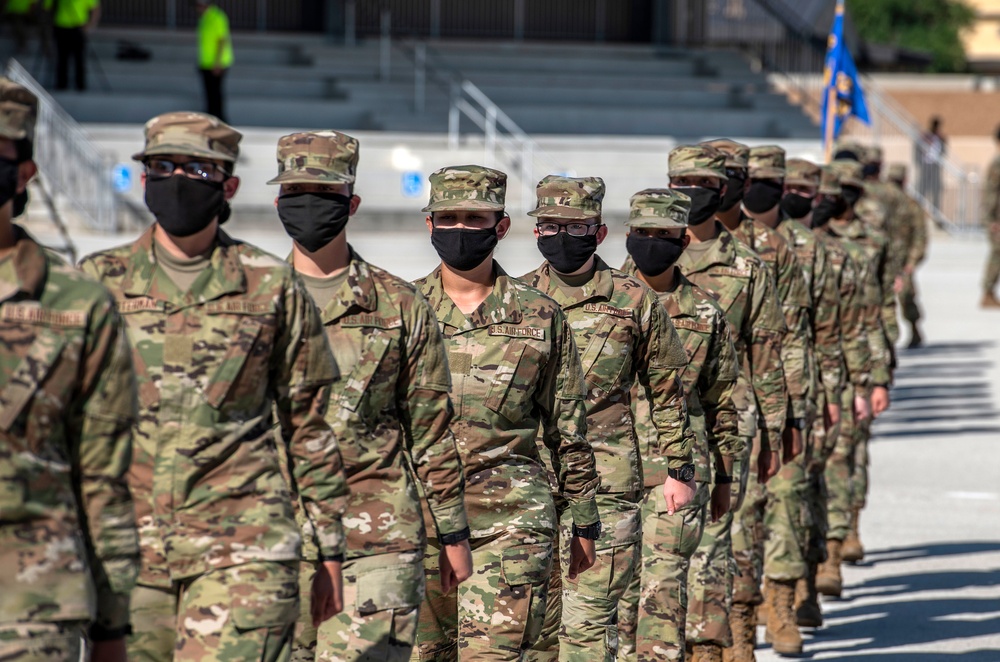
[(190, 134), (18, 111), (468, 187), (703, 160), (569, 197), (802, 172), (737, 154), (848, 149), (897, 172), (829, 183), (658, 208), (850, 173), (872, 154), (317, 157), (767, 162)]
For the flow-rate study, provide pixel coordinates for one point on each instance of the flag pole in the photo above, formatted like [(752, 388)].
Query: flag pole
[(831, 110)]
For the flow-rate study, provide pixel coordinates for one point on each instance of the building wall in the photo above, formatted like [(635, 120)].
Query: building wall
[(982, 42)]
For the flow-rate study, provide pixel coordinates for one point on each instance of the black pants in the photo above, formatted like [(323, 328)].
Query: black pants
[(71, 43), (213, 92)]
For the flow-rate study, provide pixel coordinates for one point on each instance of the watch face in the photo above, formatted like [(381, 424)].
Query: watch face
[(687, 473)]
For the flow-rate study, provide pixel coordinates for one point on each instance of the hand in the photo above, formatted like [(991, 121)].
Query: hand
[(897, 285), (791, 444), (861, 409), (880, 400), (831, 416), (721, 501), (908, 269), (677, 494), (455, 564), (327, 592), (112, 650), (582, 556), (768, 463)]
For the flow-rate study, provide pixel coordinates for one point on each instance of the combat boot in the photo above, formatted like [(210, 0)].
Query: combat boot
[(762, 608), (828, 578), (706, 653), (990, 301), (916, 339), (782, 630), (852, 551), (741, 622), (807, 611)]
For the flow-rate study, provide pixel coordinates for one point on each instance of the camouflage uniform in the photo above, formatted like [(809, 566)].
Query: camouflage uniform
[(654, 610), (989, 218), (390, 410), (215, 364), (515, 373), (69, 549), (913, 240), (626, 339)]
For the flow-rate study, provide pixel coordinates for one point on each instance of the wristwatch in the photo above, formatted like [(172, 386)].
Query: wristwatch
[(454, 538), (590, 532), (724, 480), (797, 423), (685, 474)]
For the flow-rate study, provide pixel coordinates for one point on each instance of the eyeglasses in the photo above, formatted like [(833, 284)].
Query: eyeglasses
[(736, 173), (572, 229), (205, 170)]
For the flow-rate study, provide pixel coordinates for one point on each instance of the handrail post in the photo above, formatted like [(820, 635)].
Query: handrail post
[(454, 119), (420, 77), (527, 175), (490, 143), (385, 44)]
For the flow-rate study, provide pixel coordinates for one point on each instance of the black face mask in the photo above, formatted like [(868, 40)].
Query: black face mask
[(871, 170), (796, 206), (463, 249), (851, 195), (654, 255), (8, 180), (734, 192), (184, 206), (567, 253), (763, 196), (314, 219), (704, 202), (826, 209)]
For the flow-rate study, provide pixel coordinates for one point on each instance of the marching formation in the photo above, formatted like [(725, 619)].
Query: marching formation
[(211, 453)]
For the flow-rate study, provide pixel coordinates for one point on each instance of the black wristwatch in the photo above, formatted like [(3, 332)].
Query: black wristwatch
[(685, 474), (590, 532), (724, 480), (454, 538)]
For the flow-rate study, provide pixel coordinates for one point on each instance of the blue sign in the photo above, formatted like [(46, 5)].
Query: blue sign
[(121, 177), (412, 184)]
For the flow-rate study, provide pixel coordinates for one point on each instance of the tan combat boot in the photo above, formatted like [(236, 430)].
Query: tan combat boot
[(782, 630), (761, 609), (852, 550), (807, 611), (990, 301), (741, 622), (706, 653), (828, 578)]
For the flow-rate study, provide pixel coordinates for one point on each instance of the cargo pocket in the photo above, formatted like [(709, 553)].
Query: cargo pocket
[(230, 369), (394, 587), (514, 381), (525, 573), (267, 604)]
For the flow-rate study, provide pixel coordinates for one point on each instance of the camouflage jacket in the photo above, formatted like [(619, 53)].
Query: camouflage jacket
[(852, 312), (625, 338), (867, 250), (826, 342), (515, 373), (912, 233), (391, 409), (69, 550), (211, 363), (709, 376), (878, 211), (990, 205), (793, 296), (743, 288)]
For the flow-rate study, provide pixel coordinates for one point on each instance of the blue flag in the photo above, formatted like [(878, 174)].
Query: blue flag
[(842, 94)]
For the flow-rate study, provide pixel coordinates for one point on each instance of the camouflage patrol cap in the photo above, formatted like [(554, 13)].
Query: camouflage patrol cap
[(841, 146), (569, 197), (829, 183), (897, 172), (849, 172), (872, 154), (737, 154), (767, 162), (18, 111), (802, 172), (703, 160), (658, 208), (468, 187), (317, 157), (190, 134)]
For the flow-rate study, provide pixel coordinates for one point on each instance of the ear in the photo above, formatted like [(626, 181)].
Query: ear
[(230, 186), (722, 190), (534, 231), (25, 171), (602, 234), (430, 222), (355, 203), (503, 227), (686, 239), (275, 202), (142, 180)]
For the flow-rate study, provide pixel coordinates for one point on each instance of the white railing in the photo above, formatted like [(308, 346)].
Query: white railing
[(73, 167)]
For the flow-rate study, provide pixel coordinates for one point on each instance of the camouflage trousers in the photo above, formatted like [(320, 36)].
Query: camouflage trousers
[(244, 612), (654, 610), (382, 595), (816, 498), (43, 642), (787, 520), (859, 475), (992, 274), (497, 614), (908, 299), (582, 617), (839, 471), (748, 537)]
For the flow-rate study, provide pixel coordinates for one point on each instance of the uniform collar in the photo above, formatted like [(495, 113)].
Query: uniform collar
[(722, 252), (500, 306), (600, 288), (357, 291), (29, 268)]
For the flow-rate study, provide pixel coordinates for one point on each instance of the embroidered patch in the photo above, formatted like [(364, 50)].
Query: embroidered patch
[(35, 314), (692, 325), (238, 307), (732, 271), (512, 331), (373, 320), (137, 304), (608, 310)]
